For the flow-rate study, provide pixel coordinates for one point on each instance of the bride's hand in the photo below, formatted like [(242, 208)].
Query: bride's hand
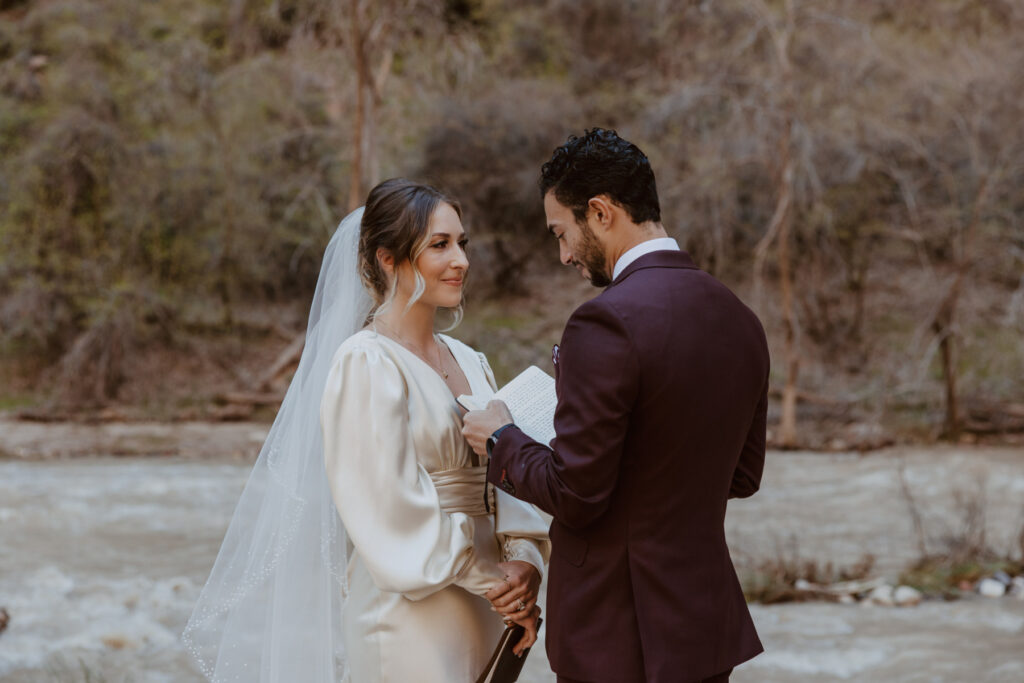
[(516, 596), (530, 623)]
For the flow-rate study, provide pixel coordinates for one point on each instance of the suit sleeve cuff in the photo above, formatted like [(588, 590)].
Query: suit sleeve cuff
[(499, 467)]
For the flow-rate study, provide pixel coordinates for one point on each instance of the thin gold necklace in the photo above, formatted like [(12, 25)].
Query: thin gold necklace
[(439, 368)]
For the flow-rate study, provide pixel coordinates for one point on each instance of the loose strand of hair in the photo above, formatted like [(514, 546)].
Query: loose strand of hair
[(421, 284), (417, 292), (456, 314), (388, 299)]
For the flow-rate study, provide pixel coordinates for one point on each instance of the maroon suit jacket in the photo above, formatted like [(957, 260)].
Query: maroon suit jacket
[(662, 397)]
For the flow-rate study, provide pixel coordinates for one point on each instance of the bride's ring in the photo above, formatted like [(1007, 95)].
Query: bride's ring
[(522, 605)]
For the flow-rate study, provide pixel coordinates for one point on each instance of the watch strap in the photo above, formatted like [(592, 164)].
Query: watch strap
[(492, 440)]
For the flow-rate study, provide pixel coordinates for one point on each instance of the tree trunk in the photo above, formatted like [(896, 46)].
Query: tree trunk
[(780, 227), (859, 288), (365, 33), (370, 141), (946, 347), (355, 188), (376, 86), (787, 427), (944, 323), (224, 262)]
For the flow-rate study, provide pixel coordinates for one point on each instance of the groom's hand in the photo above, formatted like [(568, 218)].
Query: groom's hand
[(478, 425)]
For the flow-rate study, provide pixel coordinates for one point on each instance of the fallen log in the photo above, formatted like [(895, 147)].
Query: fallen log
[(994, 418), (841, 588), (288, 357), (250, 398), (234, 412), (812, 398)]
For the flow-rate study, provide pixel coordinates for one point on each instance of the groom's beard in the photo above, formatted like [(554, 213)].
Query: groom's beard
[(591, 257)]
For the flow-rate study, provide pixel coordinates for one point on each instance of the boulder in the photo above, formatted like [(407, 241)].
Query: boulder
[(882, 595), (1003, 578), (907, 596), (991, 588)]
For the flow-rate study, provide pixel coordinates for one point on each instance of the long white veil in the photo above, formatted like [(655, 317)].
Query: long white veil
[(271, 609)]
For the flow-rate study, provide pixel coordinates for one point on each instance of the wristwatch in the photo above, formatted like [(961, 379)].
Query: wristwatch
[(492, 440)]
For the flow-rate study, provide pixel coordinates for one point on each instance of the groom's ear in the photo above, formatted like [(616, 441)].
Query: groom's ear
[(601, 209)]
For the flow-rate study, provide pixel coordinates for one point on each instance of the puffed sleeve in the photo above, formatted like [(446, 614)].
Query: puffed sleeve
[(519, 526), (522, 531), (386, 500)]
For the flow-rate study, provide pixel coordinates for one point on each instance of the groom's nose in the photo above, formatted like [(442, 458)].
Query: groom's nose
[(564, 253)]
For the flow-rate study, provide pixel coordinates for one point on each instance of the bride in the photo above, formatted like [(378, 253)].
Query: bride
[(367, 546)]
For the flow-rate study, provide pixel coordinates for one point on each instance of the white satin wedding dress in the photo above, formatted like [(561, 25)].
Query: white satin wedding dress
[(426, 542)]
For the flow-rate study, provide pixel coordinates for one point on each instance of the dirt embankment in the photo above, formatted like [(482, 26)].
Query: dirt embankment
[(27, 440)]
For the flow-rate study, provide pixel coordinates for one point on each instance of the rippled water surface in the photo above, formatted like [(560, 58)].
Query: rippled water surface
[(102, 558)]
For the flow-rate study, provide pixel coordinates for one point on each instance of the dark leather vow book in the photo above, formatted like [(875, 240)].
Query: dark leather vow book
[(504, 666)]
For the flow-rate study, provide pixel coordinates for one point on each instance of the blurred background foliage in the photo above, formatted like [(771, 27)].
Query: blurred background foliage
[(171, 171)]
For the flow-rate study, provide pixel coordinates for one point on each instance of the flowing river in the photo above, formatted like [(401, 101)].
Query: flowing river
[(101, 559)]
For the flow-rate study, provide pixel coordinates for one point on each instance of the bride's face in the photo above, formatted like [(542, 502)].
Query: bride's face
[(443, 264)]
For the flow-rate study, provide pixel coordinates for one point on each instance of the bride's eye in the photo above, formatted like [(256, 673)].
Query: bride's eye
[(463, 244), (440, 245)]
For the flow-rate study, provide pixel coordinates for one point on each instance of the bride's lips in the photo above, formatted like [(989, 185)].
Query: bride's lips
[(454, 282)]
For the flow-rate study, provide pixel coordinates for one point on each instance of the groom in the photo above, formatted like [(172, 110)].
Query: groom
[(662, 384)]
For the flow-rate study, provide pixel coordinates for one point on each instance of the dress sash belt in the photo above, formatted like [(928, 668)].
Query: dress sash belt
[(462, 490)]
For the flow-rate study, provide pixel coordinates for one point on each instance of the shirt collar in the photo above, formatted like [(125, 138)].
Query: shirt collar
[(656, 244)]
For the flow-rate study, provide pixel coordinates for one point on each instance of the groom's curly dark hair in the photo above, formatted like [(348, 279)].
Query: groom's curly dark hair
[(601, 162)]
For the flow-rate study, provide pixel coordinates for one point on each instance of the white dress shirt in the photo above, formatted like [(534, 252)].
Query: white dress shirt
[(656, 244)]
